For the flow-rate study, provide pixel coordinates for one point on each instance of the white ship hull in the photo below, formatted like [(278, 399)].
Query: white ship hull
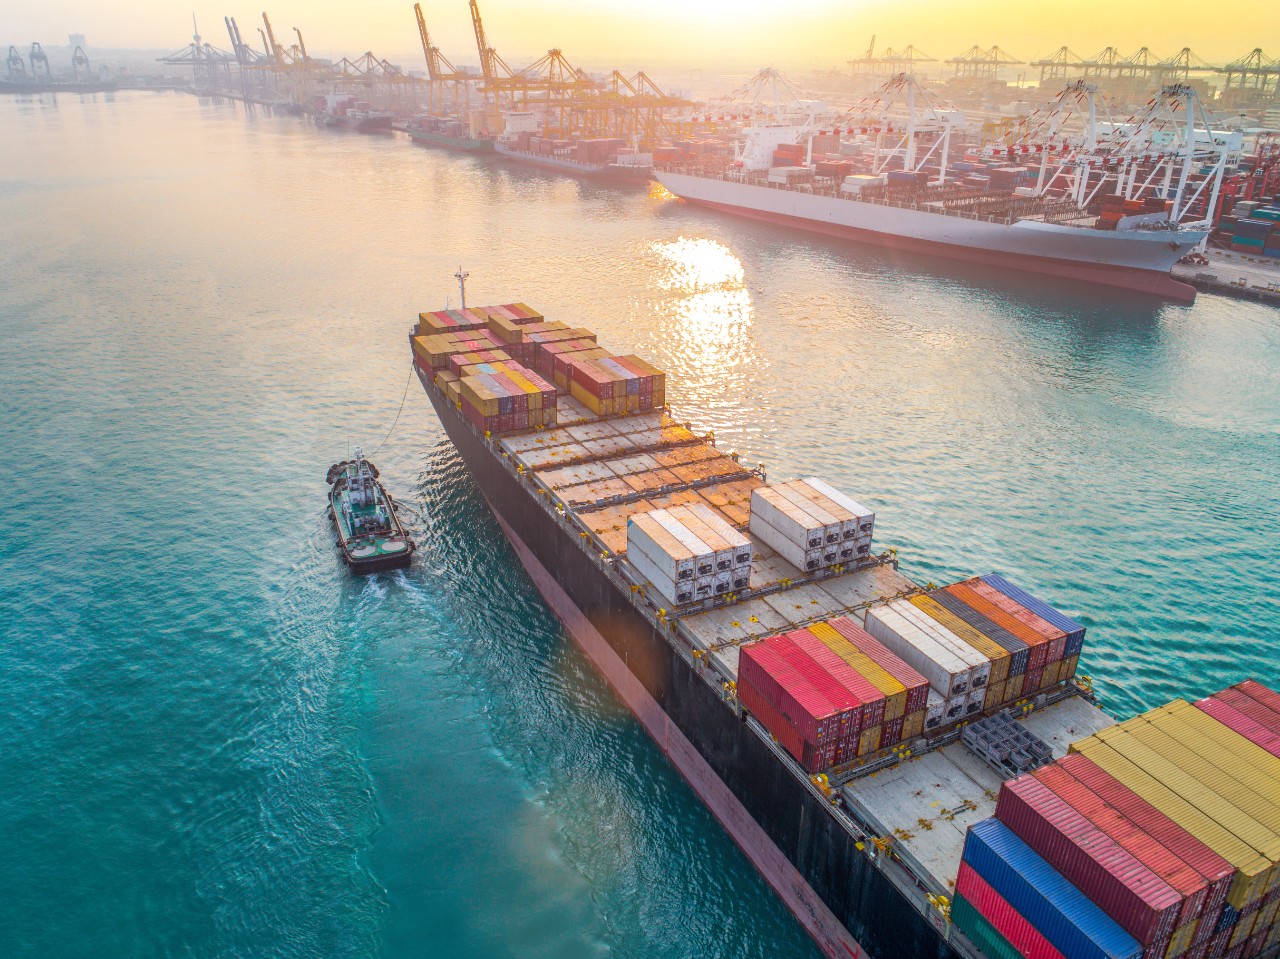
[(1131, 259)]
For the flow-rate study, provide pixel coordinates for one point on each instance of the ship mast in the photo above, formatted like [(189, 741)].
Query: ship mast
[(461, 277)]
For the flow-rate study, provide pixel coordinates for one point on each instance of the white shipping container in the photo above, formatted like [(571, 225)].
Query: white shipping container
[(946, 673), (848, 522), (704, 587), (704, 557), (673, 593), (831, 526), (973, 703), (790, 521), (979, 664), (866, 518), (740, 544), (954, 710), (798, 556), (672, 558), (935, 710), (723, 551)]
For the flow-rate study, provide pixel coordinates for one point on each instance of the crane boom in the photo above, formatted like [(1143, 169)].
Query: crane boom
[(482, 44), (271, 37), (301, 45), (433, 71)]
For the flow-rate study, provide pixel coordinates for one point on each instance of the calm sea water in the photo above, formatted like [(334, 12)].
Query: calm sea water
[(217, 743)]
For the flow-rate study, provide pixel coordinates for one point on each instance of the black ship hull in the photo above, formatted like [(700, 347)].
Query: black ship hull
[(848, 904)]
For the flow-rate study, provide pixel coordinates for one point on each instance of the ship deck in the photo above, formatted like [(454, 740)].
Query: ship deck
[(596, 472), (927, 802)]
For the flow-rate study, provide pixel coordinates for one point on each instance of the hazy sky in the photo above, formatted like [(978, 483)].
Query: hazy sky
[(821, 33)]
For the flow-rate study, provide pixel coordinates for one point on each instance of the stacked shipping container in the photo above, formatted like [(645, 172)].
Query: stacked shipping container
[(831, 694), (810, 524), (688, 553), (1163, 832)]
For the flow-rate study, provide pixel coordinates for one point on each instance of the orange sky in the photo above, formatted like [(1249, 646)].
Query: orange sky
[(716, 33)]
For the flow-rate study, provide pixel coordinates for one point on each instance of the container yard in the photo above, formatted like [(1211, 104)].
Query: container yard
[(933, 741)]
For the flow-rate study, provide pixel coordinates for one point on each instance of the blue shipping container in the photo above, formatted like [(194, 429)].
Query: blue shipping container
[(1074, 631), (1254, 227), (1062, 913)]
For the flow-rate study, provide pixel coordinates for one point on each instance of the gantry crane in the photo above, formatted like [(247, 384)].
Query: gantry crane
[(16, 65), (441, 72), (38, 61)]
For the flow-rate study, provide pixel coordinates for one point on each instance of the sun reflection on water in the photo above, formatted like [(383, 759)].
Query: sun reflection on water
[(707, 328)]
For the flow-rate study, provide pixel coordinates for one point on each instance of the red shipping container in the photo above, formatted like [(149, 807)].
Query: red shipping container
[(1031, 681), (791, 694), (1037, 645), (1246, 726), (892, 732), (1263, 696), (1055, 637), (809, 756), (856, 684), (593, 379), (1189, 884), (917, 686), (849, 706), (1216, 870), (1006, 920), (1142, 903)]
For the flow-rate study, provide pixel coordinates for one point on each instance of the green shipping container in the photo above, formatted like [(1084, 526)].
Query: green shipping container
[(979, 931), (1248, 241)]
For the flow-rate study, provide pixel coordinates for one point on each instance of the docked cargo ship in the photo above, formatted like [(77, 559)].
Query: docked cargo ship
[(1120, 216), (626, 168), (446, 132), (856, 734)]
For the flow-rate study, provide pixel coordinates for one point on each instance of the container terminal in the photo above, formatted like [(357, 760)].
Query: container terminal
[(1065, 184), (916, 771)]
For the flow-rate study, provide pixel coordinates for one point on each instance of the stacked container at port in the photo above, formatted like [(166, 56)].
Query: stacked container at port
[(1159, 838), (1259, 233), (618, 385), (811, 525), (830, 694), (688, 553)]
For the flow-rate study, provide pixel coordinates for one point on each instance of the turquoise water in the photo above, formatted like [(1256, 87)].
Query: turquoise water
[(217, 743)]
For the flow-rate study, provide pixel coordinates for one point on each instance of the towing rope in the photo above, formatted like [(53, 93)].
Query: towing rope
[(407, 381)]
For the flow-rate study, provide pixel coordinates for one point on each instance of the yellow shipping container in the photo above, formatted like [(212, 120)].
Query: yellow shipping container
[(533, 395), (1207, 817), (895, 694), (454, 392), (443, 378), (869, 740), (1069, 667), (1253, 870), (528, 311), (1181, 940), (998, 655), (1013, 687), (1243, 930), (994, 696), (1227, 749), (913, 724), (1184, 714), (479, 395), (1244, 790)]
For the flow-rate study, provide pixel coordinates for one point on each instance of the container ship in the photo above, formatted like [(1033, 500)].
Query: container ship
[(918, 772), (1118, 207), (602, 158), (451, 133)]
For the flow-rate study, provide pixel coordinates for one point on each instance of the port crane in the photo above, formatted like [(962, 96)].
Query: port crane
[(39, 63), (80, 68), (441, 72), (17, 67)]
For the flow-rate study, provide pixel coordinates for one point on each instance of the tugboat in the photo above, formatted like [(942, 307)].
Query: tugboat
[(369, 533)]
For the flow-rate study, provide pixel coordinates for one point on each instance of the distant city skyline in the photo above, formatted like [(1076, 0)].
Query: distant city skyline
[(717, 33)]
